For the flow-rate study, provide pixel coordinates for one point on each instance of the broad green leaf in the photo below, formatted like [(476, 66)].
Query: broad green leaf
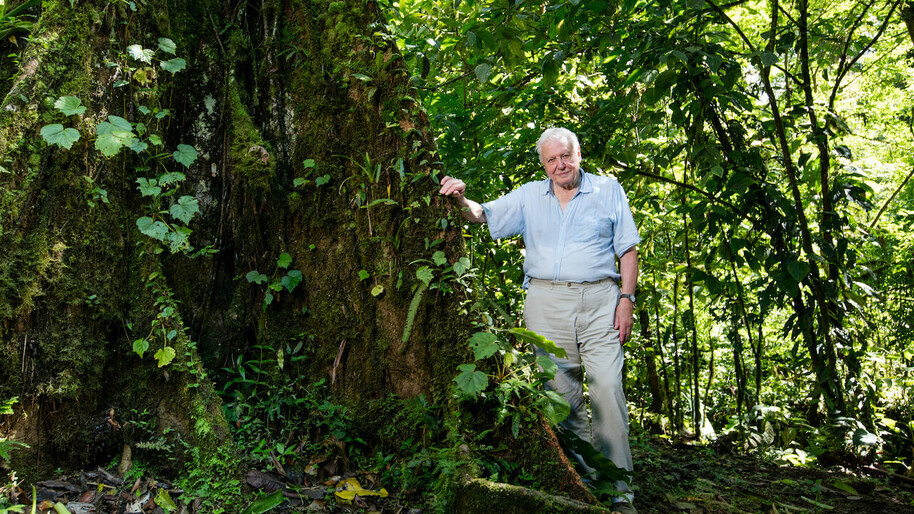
[(165, 356), (171, 177), (186, 155), (284, 260), (143, 109), (551, 69), (425, 275), (140, 346), (798, 270), (154, 229), (539, 341), (256, 277), (291, 279), (299, 182), (865, 437), (70, 105), (265, 504), (665, 79), (139, 146), (178, 239), (267, 300), (155, 140), (309, 163), (319, 181), (363, 275), (482, 72), (554, 406), (548, 366), (470, 381), (148, 187), (139, 53), (168, 46), (56, 134), (377, 290), (439, 258), (174, 65), (113, 135), (461, 266), (185, 208), (120, 125), (768, 58), (484, 345), (844, 486)]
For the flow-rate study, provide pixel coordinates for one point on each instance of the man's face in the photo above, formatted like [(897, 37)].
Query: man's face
[(561, 162)]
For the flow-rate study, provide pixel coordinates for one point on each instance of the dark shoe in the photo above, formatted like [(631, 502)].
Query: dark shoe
[(623, 507)]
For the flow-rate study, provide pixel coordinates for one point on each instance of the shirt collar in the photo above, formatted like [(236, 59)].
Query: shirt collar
[(585, 187)]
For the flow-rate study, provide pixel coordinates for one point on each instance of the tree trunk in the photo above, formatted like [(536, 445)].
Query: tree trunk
[(313, 162)]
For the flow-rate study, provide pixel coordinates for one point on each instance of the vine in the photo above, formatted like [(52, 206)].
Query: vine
[(168, 214)]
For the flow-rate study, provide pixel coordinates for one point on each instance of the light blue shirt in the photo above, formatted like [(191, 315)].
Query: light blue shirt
[(577, 245)]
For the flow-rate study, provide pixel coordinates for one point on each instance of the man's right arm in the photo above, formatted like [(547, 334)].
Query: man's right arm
[(471, 211)]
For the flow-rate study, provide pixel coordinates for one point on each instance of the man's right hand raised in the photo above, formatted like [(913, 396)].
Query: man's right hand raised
[(451, 186), (470, 210)]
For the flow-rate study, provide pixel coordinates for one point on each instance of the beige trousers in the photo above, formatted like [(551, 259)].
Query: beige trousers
[(579, 318)]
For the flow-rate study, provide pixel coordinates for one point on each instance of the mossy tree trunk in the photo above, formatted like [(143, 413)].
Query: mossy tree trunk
[(310, 147)]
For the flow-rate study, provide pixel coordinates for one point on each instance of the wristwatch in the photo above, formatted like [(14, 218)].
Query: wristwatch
[(630, 297)]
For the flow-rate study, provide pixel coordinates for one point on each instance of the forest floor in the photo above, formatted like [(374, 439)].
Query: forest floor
[(687, 478), (678, 478)]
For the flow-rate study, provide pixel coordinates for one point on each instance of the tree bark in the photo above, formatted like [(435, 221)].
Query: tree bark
[(310, 146)]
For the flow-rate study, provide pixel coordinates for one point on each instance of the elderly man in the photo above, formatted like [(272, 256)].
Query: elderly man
[(574, 225)]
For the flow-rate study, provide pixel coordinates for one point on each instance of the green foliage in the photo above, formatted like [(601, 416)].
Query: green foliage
[(165, 327), (16, 21), (56, 134), (6, 445), (70, 105), (603, 480), (186, 155), (265, 503), (413, 309), (172, 232), (277, 281), (212, 479), (518, 378), (279, 419), (752, 183)]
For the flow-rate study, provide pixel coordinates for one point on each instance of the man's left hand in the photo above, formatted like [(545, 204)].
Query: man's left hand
[(624, 319)]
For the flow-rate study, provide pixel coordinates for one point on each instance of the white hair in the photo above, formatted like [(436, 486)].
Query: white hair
[(559, 134)]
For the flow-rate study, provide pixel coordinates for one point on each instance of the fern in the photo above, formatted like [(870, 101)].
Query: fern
[(411, 314)]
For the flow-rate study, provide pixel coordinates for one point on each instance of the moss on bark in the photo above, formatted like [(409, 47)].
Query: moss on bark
[(291, 82), (486, 497)]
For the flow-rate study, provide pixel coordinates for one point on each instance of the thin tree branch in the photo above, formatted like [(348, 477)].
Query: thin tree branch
[(701, 192), (843, 71), (732, 23), (891, 198), (850, 35)]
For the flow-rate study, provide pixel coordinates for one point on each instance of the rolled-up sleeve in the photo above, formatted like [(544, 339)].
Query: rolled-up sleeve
[(505, 216)]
